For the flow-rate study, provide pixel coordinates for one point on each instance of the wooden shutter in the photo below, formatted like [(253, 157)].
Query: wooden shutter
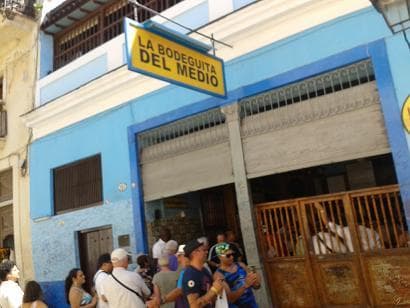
[(78, 185)]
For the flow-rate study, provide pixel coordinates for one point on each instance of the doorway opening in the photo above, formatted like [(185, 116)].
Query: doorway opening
[(191, 215), (325, 179), (92, 244)]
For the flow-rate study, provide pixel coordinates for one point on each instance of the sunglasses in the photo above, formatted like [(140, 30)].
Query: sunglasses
[(228, 255)]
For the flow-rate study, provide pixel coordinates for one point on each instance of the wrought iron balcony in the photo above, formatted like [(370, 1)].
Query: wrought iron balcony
[(9, 8)]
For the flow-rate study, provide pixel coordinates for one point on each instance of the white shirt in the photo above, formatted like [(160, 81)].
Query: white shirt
[(120, 297), (158, 249), (325, 242), (11, 295), (98, 279)]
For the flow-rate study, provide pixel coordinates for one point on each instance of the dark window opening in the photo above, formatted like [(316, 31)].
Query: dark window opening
[(344, 176), (78, 185)]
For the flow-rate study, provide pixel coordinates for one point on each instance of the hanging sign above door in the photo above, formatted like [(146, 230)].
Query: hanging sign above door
[(164, 54)]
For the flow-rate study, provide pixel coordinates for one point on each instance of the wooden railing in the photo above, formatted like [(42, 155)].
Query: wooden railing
[(10, 7), (330, 224), (100, 27)]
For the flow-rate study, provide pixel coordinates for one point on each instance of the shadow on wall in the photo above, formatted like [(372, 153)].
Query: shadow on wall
[(54, 294)]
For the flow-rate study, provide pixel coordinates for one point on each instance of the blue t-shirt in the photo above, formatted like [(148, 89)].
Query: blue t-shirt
[(235, 281), (196, 281), (179, 283), (180, 302)]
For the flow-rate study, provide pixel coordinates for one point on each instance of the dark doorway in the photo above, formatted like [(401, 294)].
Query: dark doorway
[(219, 211), (92, 244), (325, 179)]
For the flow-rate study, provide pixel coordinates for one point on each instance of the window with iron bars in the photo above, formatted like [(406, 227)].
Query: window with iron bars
[(9, 8), (324, 84), (180, 128), (100, 27)]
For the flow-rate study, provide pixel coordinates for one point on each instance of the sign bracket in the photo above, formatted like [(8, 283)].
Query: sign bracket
[(211, 38)]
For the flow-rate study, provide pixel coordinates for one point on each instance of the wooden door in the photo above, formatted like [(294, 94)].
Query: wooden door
[(92, 244), (219, 211)]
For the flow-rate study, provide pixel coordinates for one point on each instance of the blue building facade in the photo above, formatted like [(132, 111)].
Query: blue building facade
[(112, 131)]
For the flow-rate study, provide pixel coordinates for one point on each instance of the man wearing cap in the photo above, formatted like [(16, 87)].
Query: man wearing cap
[(197, 285), (104, 269), (124, 288), (239, 280)]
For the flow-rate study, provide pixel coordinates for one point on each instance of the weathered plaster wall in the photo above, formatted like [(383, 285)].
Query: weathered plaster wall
[(18, 68)]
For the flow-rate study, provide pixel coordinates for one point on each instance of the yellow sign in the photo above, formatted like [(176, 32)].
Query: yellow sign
[(163, 58), (405, 114)]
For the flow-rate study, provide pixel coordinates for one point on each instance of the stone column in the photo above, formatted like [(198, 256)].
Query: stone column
[(244, 201)]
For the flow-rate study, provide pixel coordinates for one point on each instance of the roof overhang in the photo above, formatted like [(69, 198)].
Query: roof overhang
[(68, 13)]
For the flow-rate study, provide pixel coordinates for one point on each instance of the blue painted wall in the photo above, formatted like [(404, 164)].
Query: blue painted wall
[(46, 54), (193, 18), (237, 4), (77, 78), (398, 55), (277, 64)]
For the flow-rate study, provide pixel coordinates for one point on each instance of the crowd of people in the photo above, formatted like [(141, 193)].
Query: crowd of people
[(181, 276), (175, 276), (11, 295)]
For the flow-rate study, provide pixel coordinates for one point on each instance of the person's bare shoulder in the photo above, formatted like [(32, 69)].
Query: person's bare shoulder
[(41, 304)]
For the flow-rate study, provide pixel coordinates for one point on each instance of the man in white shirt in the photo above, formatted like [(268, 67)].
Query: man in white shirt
[(104, 270), (11, 295), (124, 288), (158, 249)]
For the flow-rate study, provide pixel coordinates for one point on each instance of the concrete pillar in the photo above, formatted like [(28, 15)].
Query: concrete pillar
[(244, 200), (21, 219)]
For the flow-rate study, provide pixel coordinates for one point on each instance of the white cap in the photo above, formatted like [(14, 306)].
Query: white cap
[(181, 250), (171, 245), (119, 254)]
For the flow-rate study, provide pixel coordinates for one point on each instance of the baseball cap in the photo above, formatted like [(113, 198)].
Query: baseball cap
[(180, 250), (191, 246), (222, 248), (119, 254)]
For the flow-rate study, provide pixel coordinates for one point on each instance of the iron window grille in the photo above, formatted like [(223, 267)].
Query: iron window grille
[(324, 84), (100, 27)]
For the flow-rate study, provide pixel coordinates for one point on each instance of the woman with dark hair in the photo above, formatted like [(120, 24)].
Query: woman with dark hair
[(144, 270), (33, 296), (75, 294)]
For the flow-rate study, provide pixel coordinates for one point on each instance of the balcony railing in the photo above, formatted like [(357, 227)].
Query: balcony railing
[(9, 8), (99, 28)]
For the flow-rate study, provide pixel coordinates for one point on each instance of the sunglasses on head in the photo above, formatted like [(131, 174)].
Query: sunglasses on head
[(228, 255)]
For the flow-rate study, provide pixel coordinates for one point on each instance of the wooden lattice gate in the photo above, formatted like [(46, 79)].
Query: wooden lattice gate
[(346, 249)]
